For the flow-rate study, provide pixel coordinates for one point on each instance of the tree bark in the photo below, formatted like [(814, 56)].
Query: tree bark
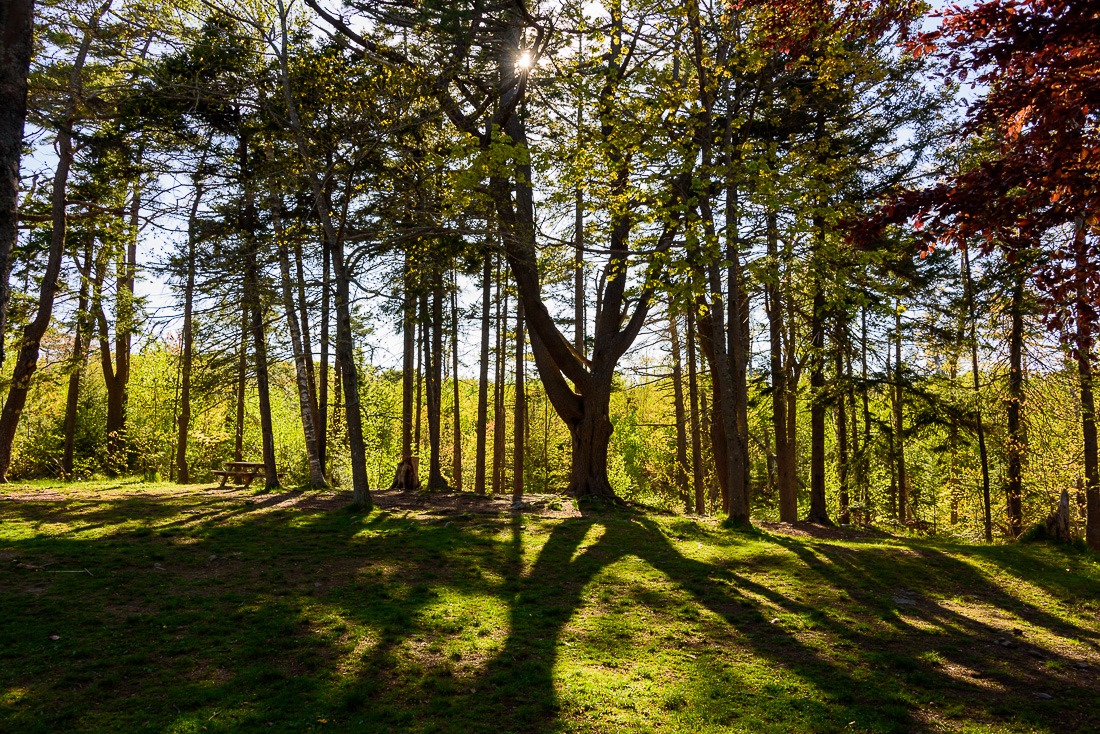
[(80, 336), (681, 478), (839, 347), (483, 376), (1084, 343), (349, 378), (818, 511), (584, 404), (456, 460), (856, 450), (259, 347), (334, 243), (306, 399), (737, 326), (186, 358), (434, 384), (498, 406), (242, 382), (27, 361), (421, 347), (307, 345), (323, 406), (117, 380), (407, 475), (864, 464), (693, 397), (520, 420), (1017, 441), (784, 454), (899, 421), (983, 454), (16, 42), (253, 300)]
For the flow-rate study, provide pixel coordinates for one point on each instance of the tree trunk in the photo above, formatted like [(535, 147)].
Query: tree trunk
[(899, 421), (349, 377), (983, 454), (242, 383), (498, 407), (855, 450), (1088, 423), (864, 463), (591, 436), (578, 270), (421, 346), (16, 42), (520, 420), (737, 328), (681, 478), (407, 475), (253, 300), (839, 346), (456, 461), (323, 406), (117, 444), (306, 399), (27, 361), (571, 380), (107, 366), (307, 346), (434, 384), (784, 454), (693, 398), (578, 235), (116, 376), (334, 244), (1017, 442), (729, 457), (1084, 340), (259, 346), (186, 358), (80, 335), (483, 376), (818, 511)]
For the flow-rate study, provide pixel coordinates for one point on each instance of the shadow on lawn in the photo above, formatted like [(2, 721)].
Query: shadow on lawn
[(252, 619)]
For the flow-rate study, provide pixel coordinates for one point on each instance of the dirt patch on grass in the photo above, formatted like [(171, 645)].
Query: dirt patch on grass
[(804, 529), (456, 503)]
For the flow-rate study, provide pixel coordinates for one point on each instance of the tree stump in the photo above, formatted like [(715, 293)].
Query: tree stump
[(407, 477), (1057, 524)]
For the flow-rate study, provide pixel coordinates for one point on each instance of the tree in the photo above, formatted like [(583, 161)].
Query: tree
[(16, 35), (579, 388), (29, 346), (1037, 59)]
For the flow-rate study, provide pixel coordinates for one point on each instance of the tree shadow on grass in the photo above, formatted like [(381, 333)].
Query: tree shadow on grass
[(295, 618), (518, 691)]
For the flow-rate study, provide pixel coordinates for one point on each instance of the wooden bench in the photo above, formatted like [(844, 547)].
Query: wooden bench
[(242, 472)]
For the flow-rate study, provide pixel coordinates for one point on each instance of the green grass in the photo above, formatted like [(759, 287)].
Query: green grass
[(190, 610)]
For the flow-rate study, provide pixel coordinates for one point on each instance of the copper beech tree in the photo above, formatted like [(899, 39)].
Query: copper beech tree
[(1036, 187)]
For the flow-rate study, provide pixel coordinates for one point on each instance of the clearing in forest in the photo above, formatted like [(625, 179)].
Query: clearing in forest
[(153, 608)]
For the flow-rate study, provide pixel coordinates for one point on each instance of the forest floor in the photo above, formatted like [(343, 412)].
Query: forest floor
[(130, 607)]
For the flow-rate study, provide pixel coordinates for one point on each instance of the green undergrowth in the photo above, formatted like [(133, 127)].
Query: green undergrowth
[(132, 607)]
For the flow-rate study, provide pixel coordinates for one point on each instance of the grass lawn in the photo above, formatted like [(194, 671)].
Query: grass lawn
[(136, 607)]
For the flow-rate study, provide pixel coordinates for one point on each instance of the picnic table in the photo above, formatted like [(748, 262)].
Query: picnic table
[(243, 472)]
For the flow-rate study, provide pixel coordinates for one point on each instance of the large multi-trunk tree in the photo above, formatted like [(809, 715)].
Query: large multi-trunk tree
[(577, 385)]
